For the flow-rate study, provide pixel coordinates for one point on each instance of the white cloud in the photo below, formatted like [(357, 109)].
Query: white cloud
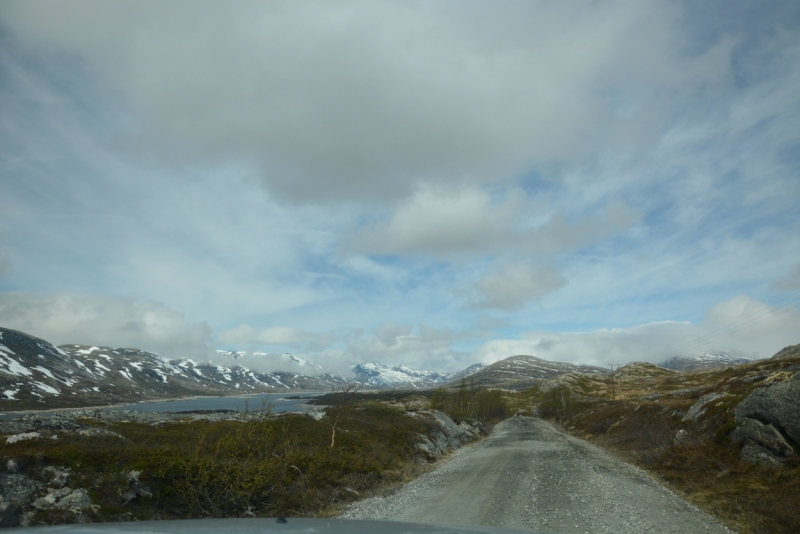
[(423, 347), (512, 286), (353, 100), (466, 222), (275, 335), (790, 281), (742, 324), (100, 320)]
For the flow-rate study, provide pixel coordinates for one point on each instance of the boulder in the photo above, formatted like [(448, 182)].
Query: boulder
[(22, 437), (64, 499), (755, 454), (447, 435), (135, 488), (17, 488), (9, 515), (698, 408), (60, 476), (766, 436), (777, 404)]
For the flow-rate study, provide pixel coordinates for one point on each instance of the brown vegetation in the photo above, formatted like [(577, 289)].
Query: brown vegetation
[(645, 425)]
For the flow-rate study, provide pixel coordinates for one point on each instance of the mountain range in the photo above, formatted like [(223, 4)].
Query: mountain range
[(708, 359), (35, 374)]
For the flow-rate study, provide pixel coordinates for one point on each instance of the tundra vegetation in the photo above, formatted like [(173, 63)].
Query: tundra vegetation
[(267, 465), (649, 423)]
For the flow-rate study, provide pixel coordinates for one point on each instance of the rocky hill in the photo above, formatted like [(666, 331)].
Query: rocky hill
[(710, 359), (792, 351), (520, 372)]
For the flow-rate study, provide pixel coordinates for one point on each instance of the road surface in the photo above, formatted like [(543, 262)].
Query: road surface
[(528, 475)]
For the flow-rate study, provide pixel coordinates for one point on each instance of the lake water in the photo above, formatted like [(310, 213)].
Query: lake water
[(279, 403)]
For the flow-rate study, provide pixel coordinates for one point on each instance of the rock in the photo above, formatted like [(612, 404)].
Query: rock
[(60, 476), (64, 499), (11, 466), (22, 437), (94, 431), (754, 454), (681, 438), (18, 488), (448, 434), (9, 515), (135, 488), (766, 436), (778, 405), (698, 408)]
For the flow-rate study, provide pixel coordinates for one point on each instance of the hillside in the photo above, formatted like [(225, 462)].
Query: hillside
[(709, 359), (520, 372), (712, 434)]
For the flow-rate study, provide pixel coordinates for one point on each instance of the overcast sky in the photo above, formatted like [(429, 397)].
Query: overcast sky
[(423, 183)]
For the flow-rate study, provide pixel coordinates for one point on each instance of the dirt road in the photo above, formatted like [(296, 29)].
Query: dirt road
[(528, 475)]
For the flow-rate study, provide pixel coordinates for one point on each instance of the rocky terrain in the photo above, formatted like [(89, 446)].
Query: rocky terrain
[(729, 436)]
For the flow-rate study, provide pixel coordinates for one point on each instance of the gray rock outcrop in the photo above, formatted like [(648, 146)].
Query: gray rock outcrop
[(768, 423), (447, 435), (699, 407)]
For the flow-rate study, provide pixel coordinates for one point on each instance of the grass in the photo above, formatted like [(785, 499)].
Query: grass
[(267, 466)]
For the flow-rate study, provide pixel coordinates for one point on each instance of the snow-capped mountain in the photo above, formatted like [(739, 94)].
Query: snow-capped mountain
[(378, 375), (708, 359), (36, 374)]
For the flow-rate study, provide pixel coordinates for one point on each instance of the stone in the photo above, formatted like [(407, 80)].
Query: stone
[(777, 404), (18, 488), (755, 454), (9, 515), (766, 436), (94, 431), (698, 408), (65, 499), (135, 488), (60, 476), (22, 437), (681, 437)]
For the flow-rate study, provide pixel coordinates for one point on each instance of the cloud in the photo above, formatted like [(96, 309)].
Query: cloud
[(5, 263), (62, 318), (364, 100), (789, 282), (423, 347), (276, 335), (512, 286), (466, 222), (741, 323)]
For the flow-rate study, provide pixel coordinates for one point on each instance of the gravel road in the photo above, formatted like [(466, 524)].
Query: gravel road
[(528, 475)]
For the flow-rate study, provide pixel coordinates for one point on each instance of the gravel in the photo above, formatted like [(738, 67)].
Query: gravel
[(528, 475)]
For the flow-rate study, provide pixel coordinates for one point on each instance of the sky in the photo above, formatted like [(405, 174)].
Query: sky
[(432, 184)]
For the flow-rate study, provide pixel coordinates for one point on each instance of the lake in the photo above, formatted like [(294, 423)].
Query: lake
[(280, 403)]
